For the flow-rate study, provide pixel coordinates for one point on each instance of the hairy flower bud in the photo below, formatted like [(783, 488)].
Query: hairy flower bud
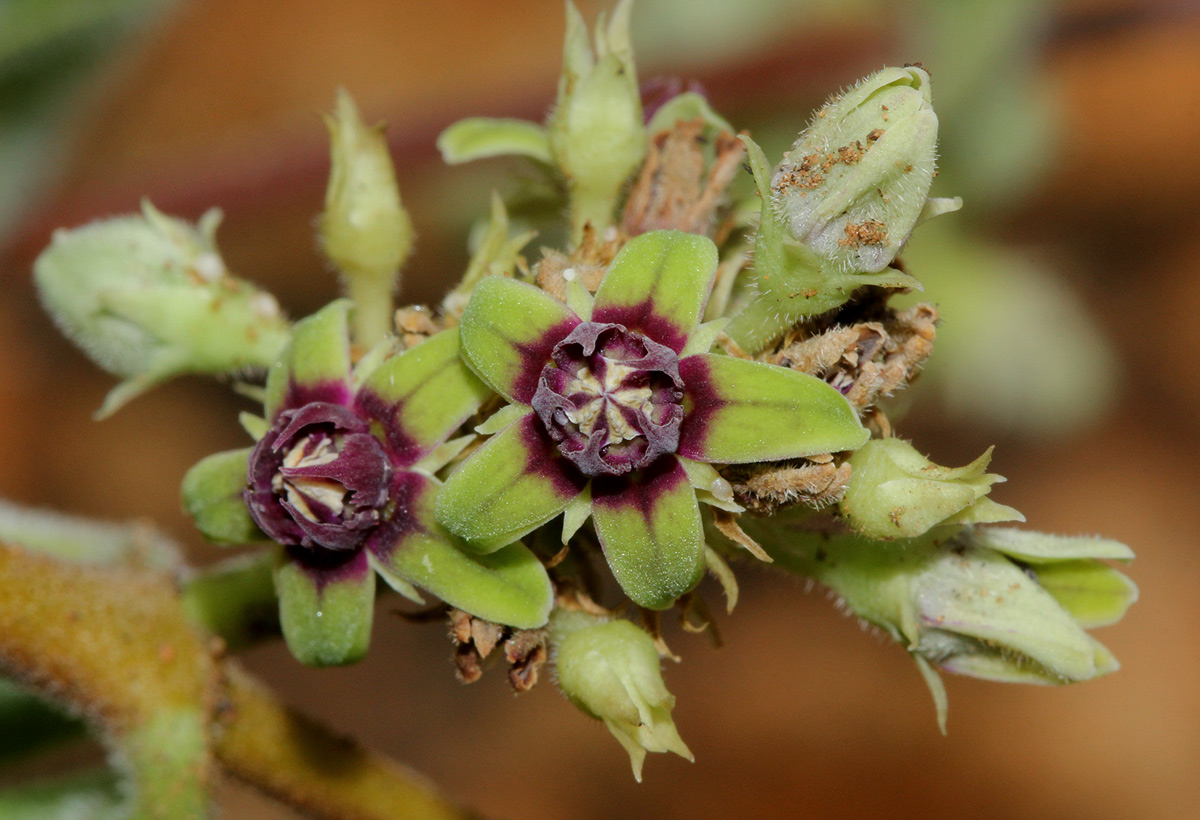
[(855, 182), (148, 297), (610, 670), (895, 492)]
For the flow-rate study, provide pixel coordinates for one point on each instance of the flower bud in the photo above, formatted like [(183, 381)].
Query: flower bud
[(365, 229), (610, 670), (895, 492), (148, 298), (1000, 604), (597, 134), (855, 182)]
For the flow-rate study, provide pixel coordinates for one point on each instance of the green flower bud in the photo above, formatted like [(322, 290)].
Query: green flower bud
[(610, 670), (856, 181), (365, 230), (597, 134), (1004, 605), (895, 492), (148, 298)]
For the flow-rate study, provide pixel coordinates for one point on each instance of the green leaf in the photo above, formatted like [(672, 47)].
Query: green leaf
[(426, 393), (481, 137), (743, 411), (660, 275), (507, 488), (508, 331), (212, 496), (650, 529), (326, 613)]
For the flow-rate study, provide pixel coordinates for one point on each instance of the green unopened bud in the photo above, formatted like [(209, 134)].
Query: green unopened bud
[(148, 297), (365, 230), (597, 135), (1014, 612), (610, 670), (895, 492), (855, 182)]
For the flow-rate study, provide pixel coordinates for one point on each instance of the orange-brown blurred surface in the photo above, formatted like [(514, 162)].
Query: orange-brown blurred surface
[(801, 714)]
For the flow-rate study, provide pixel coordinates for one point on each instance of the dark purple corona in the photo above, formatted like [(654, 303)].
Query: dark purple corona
[(612, 399), (318, 478)]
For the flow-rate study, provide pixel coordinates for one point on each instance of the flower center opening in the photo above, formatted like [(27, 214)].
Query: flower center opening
[(611, 398), (318, 478)]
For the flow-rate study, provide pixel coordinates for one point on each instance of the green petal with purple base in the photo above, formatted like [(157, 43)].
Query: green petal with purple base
[(315, 366), (510, 486), (325, 611), (649, 526), (509, 586), (421, 396), (741, 411), (658, 285), (508, 330), (213, 496)]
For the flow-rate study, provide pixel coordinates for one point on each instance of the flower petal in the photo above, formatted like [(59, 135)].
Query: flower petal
[(213, 496), (508, 331), (649, 526), (325, 606), (315, 366), (509, 586), (658, 285), (742, 411), (513, 484), (420, 397)]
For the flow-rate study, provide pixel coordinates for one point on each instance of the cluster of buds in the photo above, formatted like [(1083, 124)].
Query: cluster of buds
[(638, 384)]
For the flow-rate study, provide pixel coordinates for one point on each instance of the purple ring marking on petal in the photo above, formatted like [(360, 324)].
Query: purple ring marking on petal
[(401, 518), (327, 567), (535, 356), (403, 449), (640, 489), (543, 459), (334, 391), (705, 401), (642, 318)]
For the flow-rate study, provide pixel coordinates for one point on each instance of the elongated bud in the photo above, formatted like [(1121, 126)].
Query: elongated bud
[(610, 670), (597, 134), (148, 297), (855, 182), (895, 492), (365, 230)]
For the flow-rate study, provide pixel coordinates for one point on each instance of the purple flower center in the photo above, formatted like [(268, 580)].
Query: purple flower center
[(612, 399), (318, 478)]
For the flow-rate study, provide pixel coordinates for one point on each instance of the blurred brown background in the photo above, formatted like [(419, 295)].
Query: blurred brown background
[(801, 713)]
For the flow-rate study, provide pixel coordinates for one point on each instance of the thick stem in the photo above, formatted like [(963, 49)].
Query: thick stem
[(374, 306), (307, 766)]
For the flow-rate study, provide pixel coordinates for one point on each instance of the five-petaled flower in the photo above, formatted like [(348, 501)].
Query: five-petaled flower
[(618, 409), (342, 478)]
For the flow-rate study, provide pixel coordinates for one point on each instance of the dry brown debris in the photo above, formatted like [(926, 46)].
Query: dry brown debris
[(674, 190), (867, 360), (475, 639), (816, 482), (867, 232)]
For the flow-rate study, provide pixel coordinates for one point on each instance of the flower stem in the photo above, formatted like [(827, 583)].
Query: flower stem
[(374, 307)]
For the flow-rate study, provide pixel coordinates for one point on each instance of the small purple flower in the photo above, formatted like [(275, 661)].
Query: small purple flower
[(342, 478), (616, 407)]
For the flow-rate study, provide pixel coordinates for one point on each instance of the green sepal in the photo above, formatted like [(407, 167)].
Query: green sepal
[(319, 353), (326, 615), (480, 137), (502, 418), (212, 496), (432, 390), (1040, 548), (502, 319), (1094, 593), (762, 412), (670, 273), (687, 106), (494, 497), (652, 537)]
